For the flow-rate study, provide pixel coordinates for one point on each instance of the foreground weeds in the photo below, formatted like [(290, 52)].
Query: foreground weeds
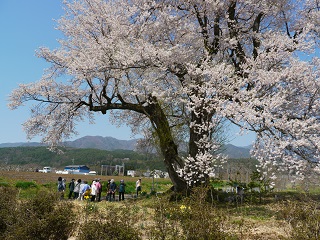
[(43, 217), (303, 217), (190, 218), (107, 222), (46, 216)]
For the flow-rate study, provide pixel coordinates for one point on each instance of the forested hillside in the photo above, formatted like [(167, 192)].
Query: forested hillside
[(30, 158), (40, 156)]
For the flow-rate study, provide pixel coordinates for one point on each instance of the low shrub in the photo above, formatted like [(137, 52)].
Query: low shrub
[(26, 185), (165, 224), (191, 218), (50, 185), (90, 207), (100, 229), (303, 217), (117, 223), (42, 217), (8, 203), (4, 184)]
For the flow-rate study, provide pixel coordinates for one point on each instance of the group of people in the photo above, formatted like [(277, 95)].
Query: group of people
[(81, 190)]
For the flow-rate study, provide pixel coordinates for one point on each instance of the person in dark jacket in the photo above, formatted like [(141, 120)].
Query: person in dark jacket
[(71, 188), (112, 190), (60, 184), (122, 189), (108, 187)]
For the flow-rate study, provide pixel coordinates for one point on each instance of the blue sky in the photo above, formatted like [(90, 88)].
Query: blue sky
[(25, 26)]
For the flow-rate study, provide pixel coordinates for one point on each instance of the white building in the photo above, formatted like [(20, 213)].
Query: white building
[(131, 173)]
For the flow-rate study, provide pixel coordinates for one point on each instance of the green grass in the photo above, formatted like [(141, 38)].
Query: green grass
[(260, 213), (4, 184), (26, 185)]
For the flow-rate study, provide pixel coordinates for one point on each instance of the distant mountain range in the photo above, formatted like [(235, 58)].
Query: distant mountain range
[(236, 152), (110, 143), (96, 142), (103, 143)]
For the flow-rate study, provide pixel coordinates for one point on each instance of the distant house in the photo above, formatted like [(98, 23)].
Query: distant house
[(131, 173), (77, 169), (156, 174)]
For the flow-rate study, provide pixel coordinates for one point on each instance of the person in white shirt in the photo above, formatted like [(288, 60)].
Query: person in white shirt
[(138, 186), (77, 189), (93, 191)]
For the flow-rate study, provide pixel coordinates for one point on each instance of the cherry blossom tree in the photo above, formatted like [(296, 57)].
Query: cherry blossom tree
[(180, 68)]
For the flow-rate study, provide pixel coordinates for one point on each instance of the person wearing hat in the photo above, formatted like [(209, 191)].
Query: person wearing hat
[(112, 190), (121, 190), (71, 188)]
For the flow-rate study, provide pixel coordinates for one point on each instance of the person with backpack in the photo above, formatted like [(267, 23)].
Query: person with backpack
[(61, 186), (71, 188), (121, 190)]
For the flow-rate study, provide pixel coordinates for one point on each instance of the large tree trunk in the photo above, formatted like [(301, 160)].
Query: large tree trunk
[(196, 134), (160, 123), (168, 148)]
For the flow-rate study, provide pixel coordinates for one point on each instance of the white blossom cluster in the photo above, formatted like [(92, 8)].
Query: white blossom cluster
[(183, 66), (197, 169)]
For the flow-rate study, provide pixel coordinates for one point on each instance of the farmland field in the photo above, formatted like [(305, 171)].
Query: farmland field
[(51, 178), (43, 178)]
